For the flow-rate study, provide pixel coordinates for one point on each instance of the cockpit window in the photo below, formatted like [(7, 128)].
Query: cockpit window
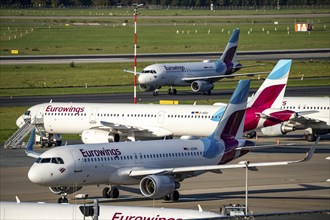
[(149, 71), (56, 160), (27, 112)]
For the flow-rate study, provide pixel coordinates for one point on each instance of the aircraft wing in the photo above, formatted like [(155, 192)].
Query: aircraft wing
[(215, 78), (125, 128), (130, 71), (252, 166)]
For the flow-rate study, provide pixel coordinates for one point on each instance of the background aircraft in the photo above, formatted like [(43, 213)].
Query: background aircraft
[(102, 123), (199, 75), (313, 116), (157, 166), (44, 211)]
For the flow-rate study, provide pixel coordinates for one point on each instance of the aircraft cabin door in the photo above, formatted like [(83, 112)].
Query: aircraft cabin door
[(138, 158), (160, 117), (92, 118), (77, 162)]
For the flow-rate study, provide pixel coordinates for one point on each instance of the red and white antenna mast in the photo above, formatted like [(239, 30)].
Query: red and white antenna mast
[(135, 42)]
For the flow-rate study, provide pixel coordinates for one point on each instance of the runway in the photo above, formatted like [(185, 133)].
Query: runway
[(147, 97), (165, 57), (298, 187)]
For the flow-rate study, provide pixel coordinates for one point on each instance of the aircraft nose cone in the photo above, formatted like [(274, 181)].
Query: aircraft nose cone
[(146, 78), (142, 79), (35, 176)]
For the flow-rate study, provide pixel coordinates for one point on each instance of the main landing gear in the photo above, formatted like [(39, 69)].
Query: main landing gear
[(173, 197), (311, 137), (207, 92), (63, 198), (171, 91), (110, 192)]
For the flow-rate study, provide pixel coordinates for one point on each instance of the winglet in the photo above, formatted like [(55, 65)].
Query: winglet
[(311, 151), (29, 146), (200, 210), (17, 200)]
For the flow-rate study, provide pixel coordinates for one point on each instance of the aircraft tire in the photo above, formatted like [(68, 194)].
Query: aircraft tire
[(311, 137), (105, 192), (174, 91), (155, 93), (114, 193), (175, 195), (62, 200)]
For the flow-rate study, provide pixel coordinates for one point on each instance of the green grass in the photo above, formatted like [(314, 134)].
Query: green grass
[(18, 80), (39, 37), (156, 12)]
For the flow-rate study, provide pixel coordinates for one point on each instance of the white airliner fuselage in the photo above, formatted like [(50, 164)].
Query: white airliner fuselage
[(45, 211), (313, 115)]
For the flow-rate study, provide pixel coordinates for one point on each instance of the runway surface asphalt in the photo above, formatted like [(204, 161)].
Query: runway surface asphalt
[(297, 187), (147, 97)]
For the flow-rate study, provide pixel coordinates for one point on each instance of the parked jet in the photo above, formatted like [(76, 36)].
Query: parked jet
[(101, 123), (199, 75), (157, 166), (44, 211), (314, 116)]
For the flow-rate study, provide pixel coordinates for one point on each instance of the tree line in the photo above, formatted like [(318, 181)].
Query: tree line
[(188, 3)]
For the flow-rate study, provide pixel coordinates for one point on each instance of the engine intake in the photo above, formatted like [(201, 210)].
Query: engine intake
[(147, 88), (156, 186), (201, 86)]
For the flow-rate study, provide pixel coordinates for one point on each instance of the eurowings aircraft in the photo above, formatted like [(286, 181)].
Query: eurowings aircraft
[(45, 211), (102, 123), (313, 116), (199, 75), (157, 166)]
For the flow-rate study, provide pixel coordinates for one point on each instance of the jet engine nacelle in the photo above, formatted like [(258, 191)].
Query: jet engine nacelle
[(147, 88), (201, 86), (94, 136), (279, 129), (157, 186), (68, 190)]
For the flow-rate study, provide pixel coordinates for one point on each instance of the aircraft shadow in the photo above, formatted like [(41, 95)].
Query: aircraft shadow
[(256, 194)]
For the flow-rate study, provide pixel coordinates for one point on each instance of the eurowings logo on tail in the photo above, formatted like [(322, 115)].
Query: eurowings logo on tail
[(229, 55), (231, 124), (271, 92)]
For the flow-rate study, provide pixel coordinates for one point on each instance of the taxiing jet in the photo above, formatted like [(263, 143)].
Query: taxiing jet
[(157, 166), (102, 123), (199, 75), (313, 116)]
